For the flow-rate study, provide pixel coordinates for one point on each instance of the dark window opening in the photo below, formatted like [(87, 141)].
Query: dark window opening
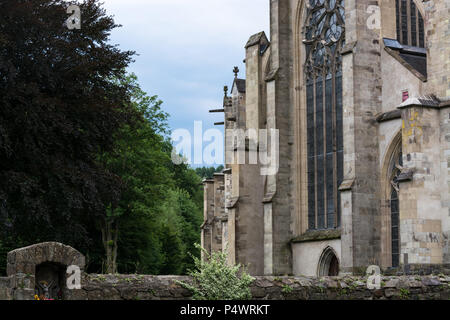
[(328, 264), (395, 206), (324, 37), (410, 24), (334, 267), (395, 228)]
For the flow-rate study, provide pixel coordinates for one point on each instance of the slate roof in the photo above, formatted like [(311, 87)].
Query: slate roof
[(417, 62), (240, 85), (256, 38), (415, 57)]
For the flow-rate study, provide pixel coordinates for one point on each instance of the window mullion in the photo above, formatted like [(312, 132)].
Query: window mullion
[(324, 122), (400, 21), (335, 169), (408, 22), (315, 154)]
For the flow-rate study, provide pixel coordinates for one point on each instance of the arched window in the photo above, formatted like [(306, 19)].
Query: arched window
[(323, 39), (410, 25), (395, 169)]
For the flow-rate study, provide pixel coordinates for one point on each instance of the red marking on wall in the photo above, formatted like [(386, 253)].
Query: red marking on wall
[(405, 96)]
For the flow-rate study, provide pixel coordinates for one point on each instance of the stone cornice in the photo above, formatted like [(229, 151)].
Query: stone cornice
[(390, 115), (318, 235), (347, 184), (232, 202)]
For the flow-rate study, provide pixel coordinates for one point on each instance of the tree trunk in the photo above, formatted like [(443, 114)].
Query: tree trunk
[(110, 231)]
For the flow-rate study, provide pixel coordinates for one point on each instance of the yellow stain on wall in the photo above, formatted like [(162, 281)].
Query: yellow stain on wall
[(414, 127)]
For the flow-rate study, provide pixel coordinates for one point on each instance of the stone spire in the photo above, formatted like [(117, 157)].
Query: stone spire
[(236, 72)]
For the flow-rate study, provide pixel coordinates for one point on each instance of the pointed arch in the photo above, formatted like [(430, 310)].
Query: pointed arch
[(300, 141), (392, 163), (328, 265)]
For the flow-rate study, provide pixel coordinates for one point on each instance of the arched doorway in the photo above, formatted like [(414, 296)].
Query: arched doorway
[(328, 264)]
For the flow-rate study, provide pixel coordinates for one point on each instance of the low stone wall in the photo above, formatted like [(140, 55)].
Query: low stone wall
[(129, 287), (141, 287), (5, 290), (42, 267)]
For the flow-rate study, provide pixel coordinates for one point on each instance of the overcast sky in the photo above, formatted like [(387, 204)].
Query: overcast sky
[(187, 50)]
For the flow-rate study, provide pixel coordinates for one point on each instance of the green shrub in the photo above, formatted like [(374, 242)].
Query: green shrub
[(214, 279), (404, 293), (287, 289)]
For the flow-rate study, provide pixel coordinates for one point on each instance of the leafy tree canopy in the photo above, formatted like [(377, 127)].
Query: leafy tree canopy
[(84, 154), (59, 107), (208, 172)]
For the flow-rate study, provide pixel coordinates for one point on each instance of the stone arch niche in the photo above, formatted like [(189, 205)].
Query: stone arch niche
[(328, 264), (41, 269)]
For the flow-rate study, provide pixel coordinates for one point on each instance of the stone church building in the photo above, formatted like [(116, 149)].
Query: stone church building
[(359, 91)]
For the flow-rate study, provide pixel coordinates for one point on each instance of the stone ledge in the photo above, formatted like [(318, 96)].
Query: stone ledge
[(318, 235), (390, 115), (419, 270)]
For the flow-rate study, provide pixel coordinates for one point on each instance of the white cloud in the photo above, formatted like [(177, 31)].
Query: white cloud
[(187, 49), (180, 26)]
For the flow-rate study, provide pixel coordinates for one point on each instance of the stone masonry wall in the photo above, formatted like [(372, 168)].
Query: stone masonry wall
[(145, 287), (5, 291), (140, 287)]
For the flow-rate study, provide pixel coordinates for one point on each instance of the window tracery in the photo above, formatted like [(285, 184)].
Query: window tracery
[(324, 36)]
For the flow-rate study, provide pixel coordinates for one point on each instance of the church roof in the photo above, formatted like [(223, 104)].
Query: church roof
[(418, 62), (429, 101), (257, 38), (414, 58), (240, 85)]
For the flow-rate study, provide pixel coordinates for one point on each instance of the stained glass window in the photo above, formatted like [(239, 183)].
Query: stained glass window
[(324, 37), (410, 24)]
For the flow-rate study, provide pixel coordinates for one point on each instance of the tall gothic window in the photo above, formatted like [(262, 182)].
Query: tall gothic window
[(323, 39), (410, 25), (395, 169)]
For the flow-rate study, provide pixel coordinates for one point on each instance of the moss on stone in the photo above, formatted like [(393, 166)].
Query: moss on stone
[(318, 235)]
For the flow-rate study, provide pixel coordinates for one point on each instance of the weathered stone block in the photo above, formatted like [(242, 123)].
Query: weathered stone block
[(24, 294), (76, 295)]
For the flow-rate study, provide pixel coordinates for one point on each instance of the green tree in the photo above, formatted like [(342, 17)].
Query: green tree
[(208, 172), (180, 220), (84, 153), (160, 208), (139, 159), (59, 108), (139, 248)]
